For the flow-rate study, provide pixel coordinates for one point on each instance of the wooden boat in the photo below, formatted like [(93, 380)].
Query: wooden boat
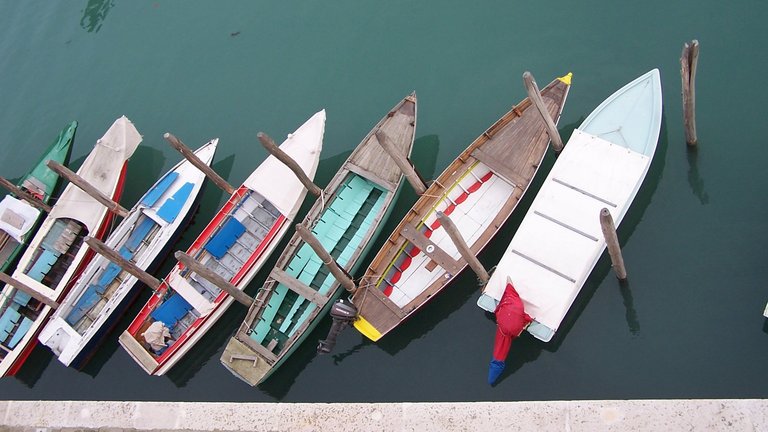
[(18, 219), (300, 290), (104, 291), (56, 255), (478, 191), (235, 245), (560, 240)]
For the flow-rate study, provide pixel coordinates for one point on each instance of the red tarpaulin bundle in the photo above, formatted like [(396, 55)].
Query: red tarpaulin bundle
[(511, 320)]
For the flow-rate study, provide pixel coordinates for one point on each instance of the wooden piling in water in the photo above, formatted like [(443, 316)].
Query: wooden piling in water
[(534, 94), (338, 273), (612, 241), (403, 163), (214, 278), (461, 245), (194, 160), (80, 182), (21, 286), (112, 255), (688, 61), (21, 193), (273, 148)]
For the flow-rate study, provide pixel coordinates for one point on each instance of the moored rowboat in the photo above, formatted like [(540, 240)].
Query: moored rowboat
[(56, 255), (103, 292), (560, 240), (18, 219), (478, 191), (234, 245), (300, 290)]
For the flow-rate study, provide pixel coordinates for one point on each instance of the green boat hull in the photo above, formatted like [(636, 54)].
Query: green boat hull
[(60, 151)]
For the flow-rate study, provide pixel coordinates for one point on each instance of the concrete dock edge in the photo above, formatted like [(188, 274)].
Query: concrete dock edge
[(608, 415)]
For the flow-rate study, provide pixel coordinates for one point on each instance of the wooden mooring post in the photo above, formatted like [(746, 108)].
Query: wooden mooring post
[(214, 278), (21, 193), (86, 187), (403, 163), (273, 148), (194, 160), (534, 94), (461, 245), (612, 241), (688, 62), (338, 273), (124, 264), (27, 289)]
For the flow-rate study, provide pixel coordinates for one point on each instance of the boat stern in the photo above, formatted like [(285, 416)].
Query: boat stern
[(245, 363), (138, 353)]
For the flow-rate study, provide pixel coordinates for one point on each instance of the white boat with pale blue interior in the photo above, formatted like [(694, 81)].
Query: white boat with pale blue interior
[(560, 240), (105, 290)]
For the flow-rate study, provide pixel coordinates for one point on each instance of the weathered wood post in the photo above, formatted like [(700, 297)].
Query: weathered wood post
[(214, 278), (461, 245), (125, 264), (688, 62), (194, 160), (80, 182), (21, 193), (534, 94), (273, 148), (612, 241), (338, 273), (21, 286), (403, 163)]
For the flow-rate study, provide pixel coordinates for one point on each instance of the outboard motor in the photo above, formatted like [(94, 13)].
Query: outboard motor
[(343, 312)]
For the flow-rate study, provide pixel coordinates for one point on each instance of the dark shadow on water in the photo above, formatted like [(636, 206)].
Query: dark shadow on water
[(633, 323), (144, 169), (765, 326), (34, 366), (694, 177), (94, 14), (525, 349)]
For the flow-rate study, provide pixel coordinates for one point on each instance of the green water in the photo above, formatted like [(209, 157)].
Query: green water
[(689, 324)]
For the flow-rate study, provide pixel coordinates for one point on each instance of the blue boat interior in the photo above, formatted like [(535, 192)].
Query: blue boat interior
[(95, 291), (171, 310), (341, 229), (236, 240), (173, 205), (14, 322), (154, 194), (53, 256)]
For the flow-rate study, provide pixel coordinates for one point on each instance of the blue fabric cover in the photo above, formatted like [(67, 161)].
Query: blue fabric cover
[(171, 310), (156, 192), (172, 206), (219, 244), (494, 371), (26, 323)]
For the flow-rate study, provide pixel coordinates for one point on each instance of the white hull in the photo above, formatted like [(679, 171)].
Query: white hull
[(104, 170), (59, 335), (281, 192), (560, 239)]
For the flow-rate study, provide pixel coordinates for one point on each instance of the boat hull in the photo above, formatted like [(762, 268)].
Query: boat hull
[(235, 244), (300, 291), (560, 239), (98, 298), (478, 191)]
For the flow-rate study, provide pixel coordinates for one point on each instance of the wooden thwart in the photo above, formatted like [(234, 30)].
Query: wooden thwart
[(25, 288), (298, 287), (431, 250), (271, 147), (214, 278), (80, 182), (612, 241), (535, 96), (337, 272), (125, 264), (194, 160), (461, 245), (21, 193)]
